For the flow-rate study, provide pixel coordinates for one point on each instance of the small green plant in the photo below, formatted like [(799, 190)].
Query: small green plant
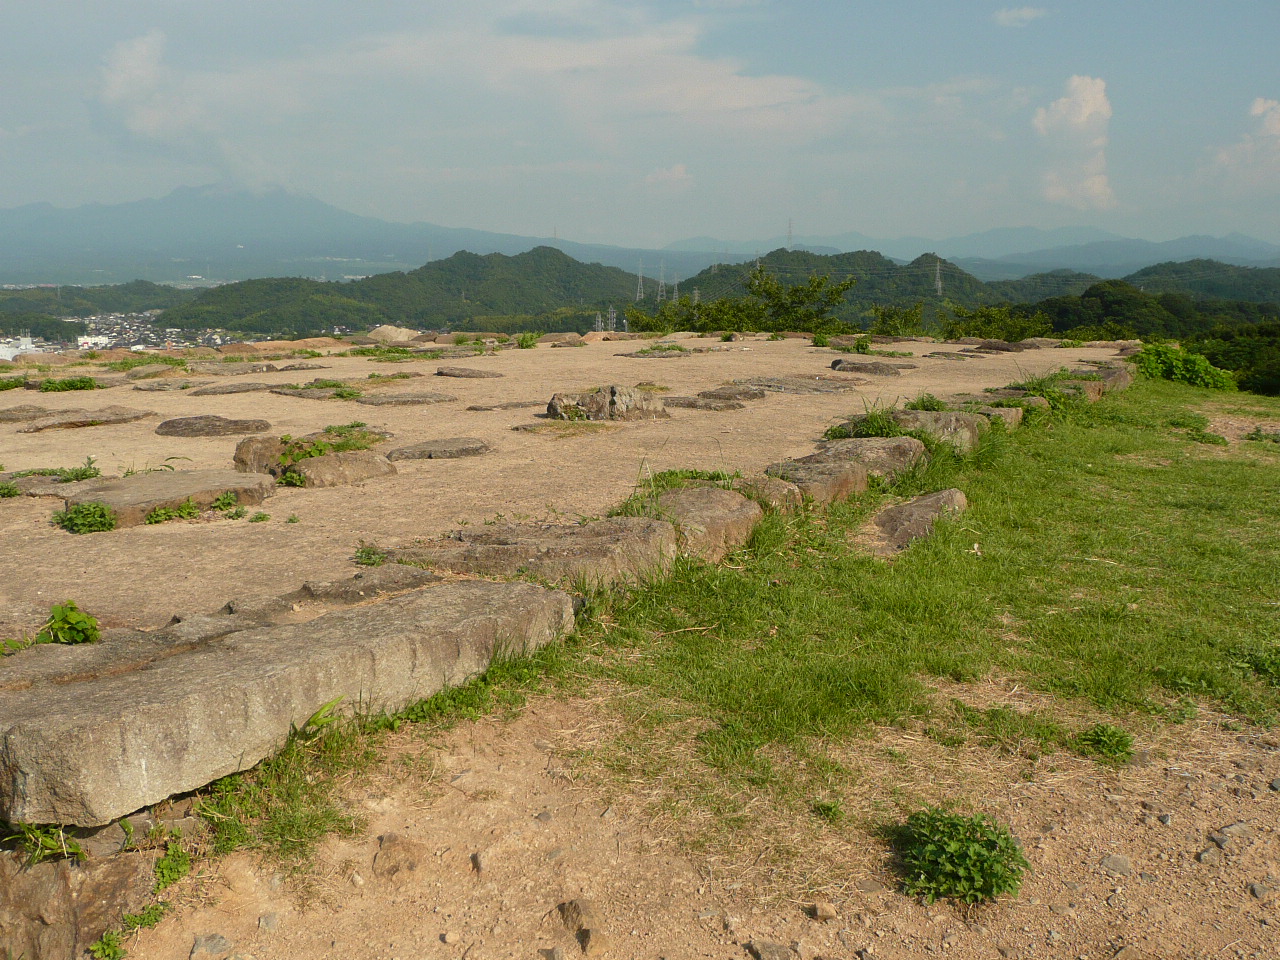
[(970, 859), (92, 517), (227, 500), (293, 518), (187, 510), (12, 383), (41, 842), (925, 401), (1163, 361), (526, 341), (831, 811), (172, 866), (1261, 436), (662, 348), (876, 422), (108, 947), (68, 383), (1204, 436), (348, 429), (291, 478), (821, 340), (69, 624), (87, 471), (369, 555), (775, 336), (260, 517), (237, 514), (1105, 743), (8, 489), (152, 914)]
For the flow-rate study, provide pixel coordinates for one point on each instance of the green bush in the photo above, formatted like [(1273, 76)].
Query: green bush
[(369, 555), (926, 401), (1105, 743), (172, 866), (963, 858), (86, 518), (1163, 361), (68, 383), (11, 383), (526, 341), (69, 624), (8, 489)]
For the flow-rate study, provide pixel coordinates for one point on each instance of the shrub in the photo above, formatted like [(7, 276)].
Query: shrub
[(90, 517), (185, 511), (526, 341), (1163, 361), (964, 858), (68, 624), (12, 383), (260, 517), (1105, 743), (108, 947), (68, 383), (8, 489), (228, 500)]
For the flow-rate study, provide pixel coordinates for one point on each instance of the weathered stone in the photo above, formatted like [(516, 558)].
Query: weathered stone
[(581, 919), (398, 858), (773, 492), (132, 498), (767, 950), (961, 430), (210, 946), (823, 910), (803, 385), (733, 392), (467, 373), (510, 405), (710, 521), (822, 482), (38, 486), (71, 419), (600, 552), (24, 411), (259, 455), (450, 449), (894, 528), (608, 403), (54, 910), (404, 399), (1113, 378), (309, 393), (301, 367), (869, 368), (389, 333), (1117, 865), (210, 425), (1012, 416), (218, 389), (172, 384), (340, 469), (234, 368), (882, 456), (702, 403), (1001, 346), (88, 750), (1091, 390)]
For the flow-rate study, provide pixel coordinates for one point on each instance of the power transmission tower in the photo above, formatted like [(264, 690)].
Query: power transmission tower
[(640, 282), (662, 282), (937, 276), (675, 288), (599, 327), (697, 295), (611, 324)]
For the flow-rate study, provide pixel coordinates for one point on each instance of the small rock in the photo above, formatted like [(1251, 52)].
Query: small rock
[(212, 945), (1258, 891), (552, 953), (269, 922), (767, 950), (1238, 830), (544, 816), (449, 936), (870, 886), (1275, 784), (1117, 865), (823, 911), (1165, 819), (478, 862), (1209, 855)]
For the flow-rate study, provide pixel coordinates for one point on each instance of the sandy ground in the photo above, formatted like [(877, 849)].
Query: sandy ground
[(144, 575)]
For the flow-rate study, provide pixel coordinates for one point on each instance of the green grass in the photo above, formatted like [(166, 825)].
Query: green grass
[(142, 360), (68, 383)]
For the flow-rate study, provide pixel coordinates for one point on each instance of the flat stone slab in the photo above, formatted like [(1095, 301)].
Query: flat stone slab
[(24, 412), (608, 403), (308, 393), (710, 521), (619, 549), (821, 482), (511, 405), (342, 469), (702, 403), (802, 385), (449, 449), (961, 430), (92, 748), (210, 425), (734, 392), (167, 384), (893, 529), (299, 367), (38, 486), (406, 399), (882, 456), (235, 368), (467, 373), (1012, 416), (217, 389), (74, 419), (869, 368), (132, 498)]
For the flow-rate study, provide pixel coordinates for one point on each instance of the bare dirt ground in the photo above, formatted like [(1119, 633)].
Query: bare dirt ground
[(498, 822)]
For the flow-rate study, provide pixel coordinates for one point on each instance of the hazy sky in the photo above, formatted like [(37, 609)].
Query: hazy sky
[(648, 122)]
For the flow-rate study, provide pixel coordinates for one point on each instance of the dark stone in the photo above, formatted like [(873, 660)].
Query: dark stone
[(404, 399), (449, 449), (210, 426), (702, 403), (608, 403), (467, 373), (218, 389)]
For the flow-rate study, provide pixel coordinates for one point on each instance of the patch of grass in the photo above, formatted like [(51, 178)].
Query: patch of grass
[(344, 430), (146, 918), (12, 383), (291, 478), (876, 422), (86, 471), (260, 517), (45, 842), (108, 947), (187, 510), (1257, 434), (227, 500), (970, 859), (385, 353), (643, 502), (1105, 743), (925, 401), (173, 865), (292, 518), (90, 517), (143, 360), (8, 489), (1204, 436), (237, 514), (68, 383), (369, 555), (663, 348)]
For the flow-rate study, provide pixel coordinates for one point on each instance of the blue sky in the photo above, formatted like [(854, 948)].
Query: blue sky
[(647, 122)]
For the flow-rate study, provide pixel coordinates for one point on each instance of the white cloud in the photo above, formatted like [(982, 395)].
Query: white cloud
[(1253, 162), (1018, 16), (1075, 129)]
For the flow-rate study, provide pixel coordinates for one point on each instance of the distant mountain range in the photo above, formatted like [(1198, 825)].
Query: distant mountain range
[(220, 233)]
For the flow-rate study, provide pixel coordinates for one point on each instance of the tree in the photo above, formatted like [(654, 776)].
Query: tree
[(803, 306)]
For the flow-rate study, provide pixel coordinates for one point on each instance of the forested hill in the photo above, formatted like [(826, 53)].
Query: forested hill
[(546, 289), (448, 292)]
